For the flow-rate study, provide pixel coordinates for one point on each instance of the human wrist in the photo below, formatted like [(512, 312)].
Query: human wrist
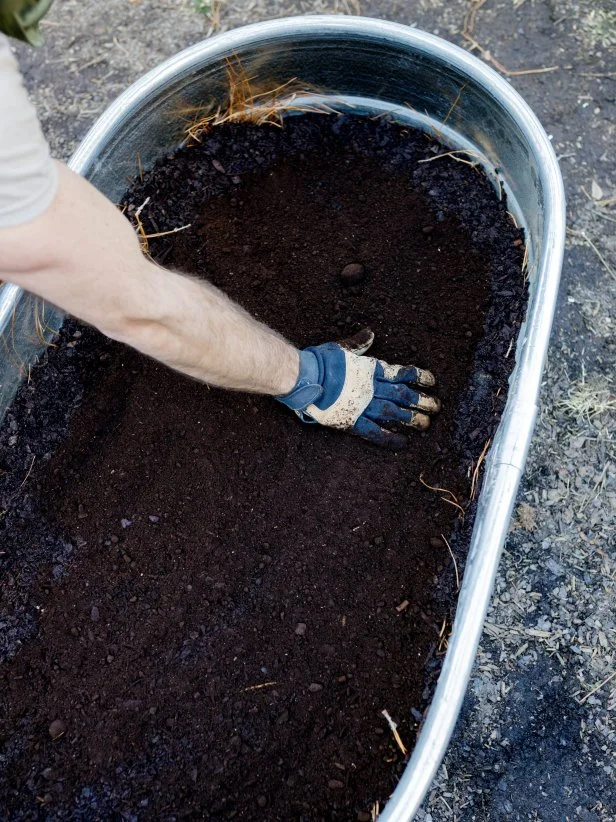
[(307, 387), (289, 371)]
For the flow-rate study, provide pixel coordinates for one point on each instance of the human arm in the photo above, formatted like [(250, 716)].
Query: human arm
[(78, 252), (83, 255)]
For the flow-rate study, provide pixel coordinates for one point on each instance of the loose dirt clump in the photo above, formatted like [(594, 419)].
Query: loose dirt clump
[(240, 597)]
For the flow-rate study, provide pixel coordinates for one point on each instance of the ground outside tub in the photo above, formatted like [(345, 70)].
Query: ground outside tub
[(376, 67)]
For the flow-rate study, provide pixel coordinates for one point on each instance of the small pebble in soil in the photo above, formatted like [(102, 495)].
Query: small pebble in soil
[(57, 729), (300, 628), (352, 274), (315, 687), (335, 785), (436, 543), (261, 801), (94, 614)]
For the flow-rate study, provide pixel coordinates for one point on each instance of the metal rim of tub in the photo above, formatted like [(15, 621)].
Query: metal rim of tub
[(545, 227)]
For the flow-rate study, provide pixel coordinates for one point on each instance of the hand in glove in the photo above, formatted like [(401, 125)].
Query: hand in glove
[(340, 388)]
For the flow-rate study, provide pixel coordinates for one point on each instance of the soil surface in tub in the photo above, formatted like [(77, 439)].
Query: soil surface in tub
[(208, 604)]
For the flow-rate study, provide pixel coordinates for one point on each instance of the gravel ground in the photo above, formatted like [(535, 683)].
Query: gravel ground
[(536, 739)]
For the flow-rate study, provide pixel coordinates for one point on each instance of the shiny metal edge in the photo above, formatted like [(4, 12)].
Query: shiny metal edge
[(507, 457)]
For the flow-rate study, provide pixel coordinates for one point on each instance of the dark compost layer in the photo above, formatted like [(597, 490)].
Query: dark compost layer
[(212, 602)]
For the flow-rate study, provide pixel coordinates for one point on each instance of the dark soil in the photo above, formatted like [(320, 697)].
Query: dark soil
[(206, 598)]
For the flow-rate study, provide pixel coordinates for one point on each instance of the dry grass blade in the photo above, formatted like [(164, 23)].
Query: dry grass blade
[(394, 730), (468, 30), (436, 488), (166, 233), (591, 245), (513, 219), (454, 156), (455, 505), (42, 326), (23, 482), (597, 688), (477, 467), (455, 103), (258, 687), (489, 58), (143, 238), (443, 639), (589, 399), (450, 498), (455, 564), (249, 102), (469, 18)]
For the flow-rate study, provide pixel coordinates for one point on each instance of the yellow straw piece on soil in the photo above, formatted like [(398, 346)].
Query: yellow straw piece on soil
[(443, 638), (258, 687), (249, 102), (394, 730)]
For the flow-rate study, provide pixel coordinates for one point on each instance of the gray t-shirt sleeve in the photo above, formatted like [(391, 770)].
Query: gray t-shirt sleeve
[(28, 177)]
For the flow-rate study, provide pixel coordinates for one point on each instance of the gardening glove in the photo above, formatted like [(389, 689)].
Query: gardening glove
[(340, 388)]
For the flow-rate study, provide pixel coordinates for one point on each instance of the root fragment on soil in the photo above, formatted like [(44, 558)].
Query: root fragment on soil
[(455, 564), (394, 730), (451, 498), (454, 156), (477, 467)]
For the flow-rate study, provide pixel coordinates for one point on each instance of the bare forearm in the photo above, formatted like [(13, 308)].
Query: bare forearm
[(193, 327), (83, 256)]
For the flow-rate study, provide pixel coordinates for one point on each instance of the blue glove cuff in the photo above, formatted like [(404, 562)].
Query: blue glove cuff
[(307, 389)]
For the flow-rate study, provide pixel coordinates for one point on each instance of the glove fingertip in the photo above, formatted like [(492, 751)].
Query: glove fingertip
[(421, 422)]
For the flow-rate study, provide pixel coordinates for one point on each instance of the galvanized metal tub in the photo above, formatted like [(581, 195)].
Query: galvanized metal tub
[(376, 66)]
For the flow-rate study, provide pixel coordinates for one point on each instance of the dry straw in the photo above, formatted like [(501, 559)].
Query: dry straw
[(252, 101)]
